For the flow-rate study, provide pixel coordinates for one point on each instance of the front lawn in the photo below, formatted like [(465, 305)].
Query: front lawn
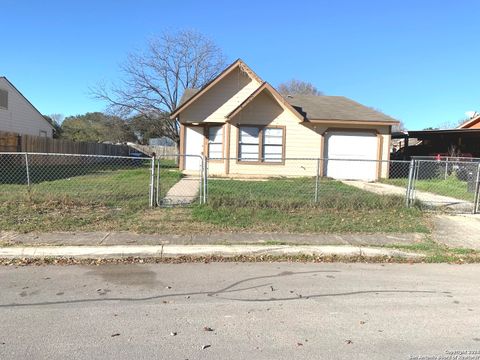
[(289, 205), (105, 198), (116, 199)]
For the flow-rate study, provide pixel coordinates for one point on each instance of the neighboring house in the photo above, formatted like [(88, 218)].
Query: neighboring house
[(245, 127), (472, 123), (18, 115), (464, 141)]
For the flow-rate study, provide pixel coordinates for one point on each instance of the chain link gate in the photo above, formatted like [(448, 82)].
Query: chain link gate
[(445, 185), (174, 187)]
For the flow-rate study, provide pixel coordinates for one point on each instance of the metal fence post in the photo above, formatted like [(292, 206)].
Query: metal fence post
[(158, 183), (152, 179), (409, 185), (205, 180), (446, 168), (317, 180), (477, 189), (27, 169), (202, 180)]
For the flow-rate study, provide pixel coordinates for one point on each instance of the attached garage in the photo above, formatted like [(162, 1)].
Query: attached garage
[(342, 147)]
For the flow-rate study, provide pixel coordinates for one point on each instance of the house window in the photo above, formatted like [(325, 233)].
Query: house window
[(43, 133), (215, 142), (272, 144), (248, 147), (3, 99), (261, 144)]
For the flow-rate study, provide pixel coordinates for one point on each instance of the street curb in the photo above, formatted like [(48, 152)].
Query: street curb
[(172, 251)]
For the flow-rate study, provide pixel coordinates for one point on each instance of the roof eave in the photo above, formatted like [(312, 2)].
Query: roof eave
[(354, 121)]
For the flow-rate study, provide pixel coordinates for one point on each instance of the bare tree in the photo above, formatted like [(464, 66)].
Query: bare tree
[(399, 127), (298, 87), (154, 80)]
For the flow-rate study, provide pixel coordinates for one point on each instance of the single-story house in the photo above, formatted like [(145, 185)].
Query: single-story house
[(245, 127), (18, 115)]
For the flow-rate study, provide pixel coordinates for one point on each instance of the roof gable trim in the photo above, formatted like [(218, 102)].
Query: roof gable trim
[(276, 95), (237, 64)]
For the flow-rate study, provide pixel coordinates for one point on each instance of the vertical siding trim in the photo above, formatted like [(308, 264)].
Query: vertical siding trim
[(379, 155), (322, 153), (181, 162), (227, 135)]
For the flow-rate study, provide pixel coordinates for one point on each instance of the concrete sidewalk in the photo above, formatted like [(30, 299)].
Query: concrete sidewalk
[(169, 251), (127, 238)]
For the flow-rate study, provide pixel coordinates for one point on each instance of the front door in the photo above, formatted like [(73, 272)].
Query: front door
[(194, 140)]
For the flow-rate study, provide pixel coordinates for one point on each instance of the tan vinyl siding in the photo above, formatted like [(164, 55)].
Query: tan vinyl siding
[(21, 117), (300, 140), (220, 100)]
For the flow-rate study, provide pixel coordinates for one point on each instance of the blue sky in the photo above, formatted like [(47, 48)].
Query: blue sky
[(417, 61)]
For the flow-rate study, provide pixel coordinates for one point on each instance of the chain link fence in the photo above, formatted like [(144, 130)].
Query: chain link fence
[(80, 180), (435, 185), (175, 188), (300, 182), (449, 185), (184, 180)]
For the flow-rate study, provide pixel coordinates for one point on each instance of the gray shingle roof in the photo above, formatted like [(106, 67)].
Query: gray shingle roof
[(323, 107), (334, 108), (187, 94)]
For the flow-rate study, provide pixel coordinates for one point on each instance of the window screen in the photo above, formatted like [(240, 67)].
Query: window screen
[(3, 99), (215, 138)]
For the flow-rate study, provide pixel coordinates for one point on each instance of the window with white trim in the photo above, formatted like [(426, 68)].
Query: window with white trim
[(261, 144), (215, 142)]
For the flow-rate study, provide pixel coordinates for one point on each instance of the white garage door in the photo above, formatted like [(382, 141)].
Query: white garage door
[(351, 145), (194, 139)]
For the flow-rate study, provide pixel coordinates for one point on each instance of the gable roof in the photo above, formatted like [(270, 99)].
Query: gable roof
[(185, 102), (28, 101), (305, 107), (322, 107), (274, 93), (315, 108), (187, 94)]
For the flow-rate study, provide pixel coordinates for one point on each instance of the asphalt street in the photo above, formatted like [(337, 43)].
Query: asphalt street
[(240, 311)]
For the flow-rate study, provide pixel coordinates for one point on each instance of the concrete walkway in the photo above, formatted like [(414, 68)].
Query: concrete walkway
[(128, 238), (428, 199), (183, 192), (460, 231)]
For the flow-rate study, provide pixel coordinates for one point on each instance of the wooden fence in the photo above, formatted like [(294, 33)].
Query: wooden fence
[(12, 142)]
